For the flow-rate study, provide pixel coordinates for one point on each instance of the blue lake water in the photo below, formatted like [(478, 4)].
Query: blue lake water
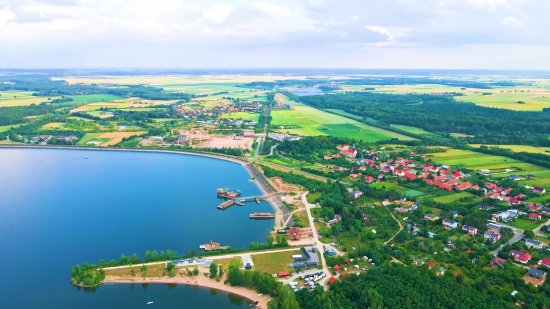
[(59, 209)]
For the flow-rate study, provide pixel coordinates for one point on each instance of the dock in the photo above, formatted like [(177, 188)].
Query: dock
[(232, 199), (262, 215)]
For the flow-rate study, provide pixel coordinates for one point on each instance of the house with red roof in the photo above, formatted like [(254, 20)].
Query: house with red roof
[(532, 207), (464, 186), (409, 176), (539, 190), (476, 187), (369, 179), (534, 216), (514, 201), (519, 196), (336, 267), (430, 264), (521, 257), (545, 262), (362, 168), (331, 279), (283, 274), (443, 186), (381, 176)]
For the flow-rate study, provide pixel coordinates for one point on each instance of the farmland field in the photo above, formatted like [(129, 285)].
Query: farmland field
[(453, 197), (519, 148), (6, 128), (409, 129), (473, 160), (116, 137), (53, 125), (20, 98), (89, 137), (413, 193), (242, 115), (535, 97), (314, 122), (89, 98)]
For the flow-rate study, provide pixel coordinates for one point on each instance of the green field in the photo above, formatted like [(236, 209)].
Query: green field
[(343, 113), (20, 98), (412, 130), (90, 137), (242, 116), (519, 148), (314, 122), (453, 197), (525, 224), (474, 160), (90, 98), (5, 128), (274, 262), (413, 193), (535, 97), (311, 197)]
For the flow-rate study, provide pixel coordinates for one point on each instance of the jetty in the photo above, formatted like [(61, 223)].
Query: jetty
[(232, 199), (262, 215), (211, 246)]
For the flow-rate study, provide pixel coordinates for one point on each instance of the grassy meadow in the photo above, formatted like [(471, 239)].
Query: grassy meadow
[(243, 116), (20, 98), (519, 148), (452, 197), (313, 122), (274, 262), (6, 128)]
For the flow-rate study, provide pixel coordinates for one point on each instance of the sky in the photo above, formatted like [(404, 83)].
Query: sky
[(430, 34)]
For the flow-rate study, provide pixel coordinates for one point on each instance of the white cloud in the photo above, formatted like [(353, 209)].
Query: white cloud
[(217, 13), (510, 21), (488, 2), (382, 31), (272, 10), (355, 18)]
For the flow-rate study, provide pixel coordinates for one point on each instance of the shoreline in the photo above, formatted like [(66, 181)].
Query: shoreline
[(198, 281), (259, 178)]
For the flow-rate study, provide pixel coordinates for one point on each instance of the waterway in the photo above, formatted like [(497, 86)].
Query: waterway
[(59, 208)]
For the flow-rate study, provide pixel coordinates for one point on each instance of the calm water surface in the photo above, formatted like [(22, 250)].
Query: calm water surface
[(58, 209)]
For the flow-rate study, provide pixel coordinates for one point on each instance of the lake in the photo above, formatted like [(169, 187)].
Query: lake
[(59, 208)]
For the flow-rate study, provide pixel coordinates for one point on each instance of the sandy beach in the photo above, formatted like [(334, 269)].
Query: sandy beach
[(200, 281)]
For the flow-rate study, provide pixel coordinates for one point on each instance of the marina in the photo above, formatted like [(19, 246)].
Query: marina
[(233, 199)]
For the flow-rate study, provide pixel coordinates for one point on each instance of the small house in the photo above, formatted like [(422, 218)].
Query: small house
[(336, 267), (430, 264), (470, 229), (521, 257), (369, 179), (536, 274), (531, 243), (545, 262), (498, 262), (514, 177), (491, 236), (450, 224), (539, 190), (534, 216), (431, 217)]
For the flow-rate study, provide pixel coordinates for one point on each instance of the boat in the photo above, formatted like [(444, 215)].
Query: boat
[(262, 215), (149, 302), (211, 246), (224, 193)]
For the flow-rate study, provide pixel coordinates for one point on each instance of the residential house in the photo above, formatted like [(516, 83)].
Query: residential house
[(381, 176), (418, 262), (450, 224), (336, 267), (470, 229), (532, 207), (401, 210), (534, 216), (498, 262), (514, 177), (539, 190), (464, 186), (369, 179), (545, 210), (536, 274), (455, 213), (521, 257), (409, 176), (431, 217), (430, 264), (494, 227), (415, 205), (491, 236), (531, 243), (545, 262)]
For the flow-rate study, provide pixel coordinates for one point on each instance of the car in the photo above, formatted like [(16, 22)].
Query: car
[(356, 266)]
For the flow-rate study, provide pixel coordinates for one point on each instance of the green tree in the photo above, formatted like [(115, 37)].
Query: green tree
[(195, 271), (213, 270), (144, 270), (270, 239)]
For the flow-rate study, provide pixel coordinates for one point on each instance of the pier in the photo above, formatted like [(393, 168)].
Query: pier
[(262, 215), (241, 200)]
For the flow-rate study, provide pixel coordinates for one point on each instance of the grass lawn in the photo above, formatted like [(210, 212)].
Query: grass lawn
[(478, 161), (409, 129), (519, 148), (225, 262), (243, 116), (525, 224), (89, 98), (80, 118), (54, 126), (343, 113), (452, 198), (315, 212), (311, 197), (314, 122), (6, 128), (274, 262), (539, 199), (291, 170), (20, 98), (413, 193), (89, 137)]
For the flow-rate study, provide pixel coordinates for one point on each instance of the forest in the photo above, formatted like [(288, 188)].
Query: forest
[(437, 114), (17, 114), (400, 287)]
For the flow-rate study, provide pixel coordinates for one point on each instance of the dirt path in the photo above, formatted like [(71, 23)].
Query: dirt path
[(400, 226)]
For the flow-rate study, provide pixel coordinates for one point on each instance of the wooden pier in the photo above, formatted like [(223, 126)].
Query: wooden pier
[(262, 215), (241, 200)]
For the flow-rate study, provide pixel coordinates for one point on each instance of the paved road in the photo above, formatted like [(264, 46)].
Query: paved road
[(318, 243), (259, 141), (517, 237)]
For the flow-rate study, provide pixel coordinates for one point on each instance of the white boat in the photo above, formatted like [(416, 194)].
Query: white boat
[(149, 302)]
